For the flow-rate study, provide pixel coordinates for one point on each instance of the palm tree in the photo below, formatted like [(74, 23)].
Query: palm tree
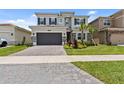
[(92, 30), (83, 27)]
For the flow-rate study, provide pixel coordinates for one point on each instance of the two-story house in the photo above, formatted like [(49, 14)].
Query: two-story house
[(110, 29), (56, 28)]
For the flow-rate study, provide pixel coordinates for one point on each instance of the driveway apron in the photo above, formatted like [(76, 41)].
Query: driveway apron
[(44, 73), (50, 50)]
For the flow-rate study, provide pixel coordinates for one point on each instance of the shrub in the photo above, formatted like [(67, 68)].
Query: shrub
[(78, 45), (69, 43), (18, 44), (66, 46), (75, 44), (88, 43)]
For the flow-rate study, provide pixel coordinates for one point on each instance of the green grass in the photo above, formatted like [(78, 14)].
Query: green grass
[(96, 50), (108, 72), (10, 50)]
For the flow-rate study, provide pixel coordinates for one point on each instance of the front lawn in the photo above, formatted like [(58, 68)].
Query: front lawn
[(111, 72), (10, 50), (95, 50)]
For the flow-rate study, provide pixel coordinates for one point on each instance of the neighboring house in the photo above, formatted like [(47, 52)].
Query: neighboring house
[(54, 29), (14, 34), (110, 29)]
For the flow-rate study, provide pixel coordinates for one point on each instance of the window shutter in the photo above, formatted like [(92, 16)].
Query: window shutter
[(55, 21), (75, 21), (44, 21), (84, 21), (38, 21), (49, 21)]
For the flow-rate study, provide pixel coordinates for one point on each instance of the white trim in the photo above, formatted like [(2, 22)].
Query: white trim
[(49, 32)]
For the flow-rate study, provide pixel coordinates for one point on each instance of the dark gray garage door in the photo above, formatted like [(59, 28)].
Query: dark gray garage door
[(49, 38)]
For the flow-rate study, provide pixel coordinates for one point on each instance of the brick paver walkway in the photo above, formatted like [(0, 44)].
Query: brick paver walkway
[(50, 50), (45, 73)]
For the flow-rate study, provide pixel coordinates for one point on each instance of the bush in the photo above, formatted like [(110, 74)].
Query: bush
[(88, 43), (75, 44), (69, 43), (79, 46), (66, 46), (18, 44), (28, 45)]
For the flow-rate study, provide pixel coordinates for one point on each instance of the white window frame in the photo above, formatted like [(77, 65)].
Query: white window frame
[(43, 20), (60, 21), (51, 21), (106, 21)]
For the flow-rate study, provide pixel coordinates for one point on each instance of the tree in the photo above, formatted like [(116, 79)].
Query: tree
[(92, 30), (83, 27)]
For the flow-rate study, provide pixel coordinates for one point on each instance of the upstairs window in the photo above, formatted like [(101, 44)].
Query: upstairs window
[(68, 21), (107, 22), (76, 21), (60, 20), (52, 21), (79, 21), (83, 21), (41, 21)]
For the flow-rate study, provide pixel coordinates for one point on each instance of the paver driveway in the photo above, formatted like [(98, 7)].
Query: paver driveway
[(45, 73), (41, 51)]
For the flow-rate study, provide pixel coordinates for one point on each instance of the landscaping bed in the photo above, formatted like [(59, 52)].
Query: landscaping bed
[(110, 72), (94, 50)]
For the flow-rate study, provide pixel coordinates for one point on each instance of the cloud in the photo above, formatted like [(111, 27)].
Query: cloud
[(91, 18), (33, 16), (91, 12), (92, 15), (16, 21), (25, 23), (20, 20), (11, 21)]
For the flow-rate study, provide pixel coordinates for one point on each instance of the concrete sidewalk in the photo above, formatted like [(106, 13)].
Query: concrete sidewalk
[(57, 59)]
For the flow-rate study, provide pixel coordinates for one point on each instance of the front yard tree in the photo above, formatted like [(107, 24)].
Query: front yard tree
[(83, 27), (92, 30)]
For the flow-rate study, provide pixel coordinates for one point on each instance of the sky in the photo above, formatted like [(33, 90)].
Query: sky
[(26, 17)]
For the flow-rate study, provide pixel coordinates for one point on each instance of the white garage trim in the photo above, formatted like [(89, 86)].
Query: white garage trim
[(35, 35), (49, 32)]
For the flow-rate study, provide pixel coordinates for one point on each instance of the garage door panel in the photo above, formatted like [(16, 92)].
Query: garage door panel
[(49, 38), (6, 35), (117, 38)]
